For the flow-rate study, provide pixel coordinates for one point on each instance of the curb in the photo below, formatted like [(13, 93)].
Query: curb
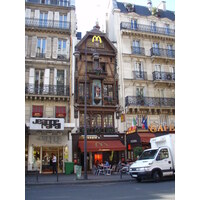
[(78, 182)]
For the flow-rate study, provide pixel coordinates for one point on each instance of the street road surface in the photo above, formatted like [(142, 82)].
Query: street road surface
[(103, 191)]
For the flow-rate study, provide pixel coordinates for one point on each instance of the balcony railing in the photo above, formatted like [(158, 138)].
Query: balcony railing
[(55, 90), (164, 76), (138, 51), (147, 28), (51, 2), (149, 101), (43, 23), (98, 130), (162, 52), (139, 75)]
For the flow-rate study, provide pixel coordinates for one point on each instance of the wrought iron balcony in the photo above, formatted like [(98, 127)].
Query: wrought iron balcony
[(164, 76), (147, 28), (138, 51), (162, 52), (139, 75), (43, 23), (63, 3), (55, 90), (149, 101)]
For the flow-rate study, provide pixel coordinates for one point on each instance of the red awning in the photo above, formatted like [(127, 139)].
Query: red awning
[(145, 137), (102, 145)]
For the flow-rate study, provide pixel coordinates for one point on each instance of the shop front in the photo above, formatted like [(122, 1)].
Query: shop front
[(139, 141), (41, 148), (44, 141), (100, 151)]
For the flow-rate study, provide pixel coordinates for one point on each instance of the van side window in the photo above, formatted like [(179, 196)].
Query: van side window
[(163, 154)]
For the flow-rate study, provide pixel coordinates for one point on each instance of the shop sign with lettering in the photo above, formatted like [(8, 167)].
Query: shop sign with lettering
[(46, 124), (155, 128)]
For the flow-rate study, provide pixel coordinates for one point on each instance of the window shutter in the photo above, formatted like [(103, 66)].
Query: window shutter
[(56, 19), (65, 81), (55, 80), (28, 13), (46, 80), (37, 17), (34, 46), (50, 19), (67, 48), (26, 45), (48, 49), (31, 80), (68, 19), (55, 48)]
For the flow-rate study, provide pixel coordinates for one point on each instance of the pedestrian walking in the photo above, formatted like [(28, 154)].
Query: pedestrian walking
[(54, 163)]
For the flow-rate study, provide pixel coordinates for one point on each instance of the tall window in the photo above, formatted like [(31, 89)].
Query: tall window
[(82, 90), (134, 24), (153, 27), (140, 92), (63, 21), (39, 81), (139, 72), (61, 46), (108, 120), (41, 46), (158, 74), (96, 120), (136, 46), (170, 52), (81, 120), (43, 19), (167, 29), (156, 49), (108, 92), (60, 82)]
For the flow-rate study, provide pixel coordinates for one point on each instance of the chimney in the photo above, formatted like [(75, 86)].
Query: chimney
[(162, 5), (149, 5)]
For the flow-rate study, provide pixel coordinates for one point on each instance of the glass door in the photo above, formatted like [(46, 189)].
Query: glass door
[(47, 156)]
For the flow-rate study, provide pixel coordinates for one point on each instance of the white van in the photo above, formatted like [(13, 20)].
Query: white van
[(157, 162)]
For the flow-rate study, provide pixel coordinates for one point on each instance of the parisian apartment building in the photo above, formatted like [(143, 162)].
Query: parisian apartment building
[(50, 37), (145, 39)]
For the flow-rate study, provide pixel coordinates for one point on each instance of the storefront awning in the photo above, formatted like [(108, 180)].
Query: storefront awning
[(102, 145), (145, 137)]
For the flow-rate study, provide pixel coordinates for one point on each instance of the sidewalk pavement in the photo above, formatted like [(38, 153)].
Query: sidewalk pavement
[(51, 179)]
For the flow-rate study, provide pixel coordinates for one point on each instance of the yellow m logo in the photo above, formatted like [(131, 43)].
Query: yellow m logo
[(96, 38)]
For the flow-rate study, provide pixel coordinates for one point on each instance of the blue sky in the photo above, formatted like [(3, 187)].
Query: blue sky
[(88, 11)]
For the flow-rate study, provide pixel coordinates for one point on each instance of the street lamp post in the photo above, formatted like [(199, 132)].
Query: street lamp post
[(77, 54), (85, 113)]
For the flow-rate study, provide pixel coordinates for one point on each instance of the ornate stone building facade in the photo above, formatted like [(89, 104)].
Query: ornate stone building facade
[(50, 31), (145, 39)]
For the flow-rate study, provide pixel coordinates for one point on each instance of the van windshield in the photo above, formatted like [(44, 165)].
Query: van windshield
[(148, 154)]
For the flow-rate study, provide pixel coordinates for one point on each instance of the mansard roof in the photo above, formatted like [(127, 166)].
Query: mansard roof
[(144, 11)]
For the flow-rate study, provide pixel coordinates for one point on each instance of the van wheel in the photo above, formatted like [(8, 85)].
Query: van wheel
[(139, 180), (156, 176)]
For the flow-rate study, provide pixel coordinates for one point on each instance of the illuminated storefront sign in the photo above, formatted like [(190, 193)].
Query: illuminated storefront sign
[(153, 128)]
